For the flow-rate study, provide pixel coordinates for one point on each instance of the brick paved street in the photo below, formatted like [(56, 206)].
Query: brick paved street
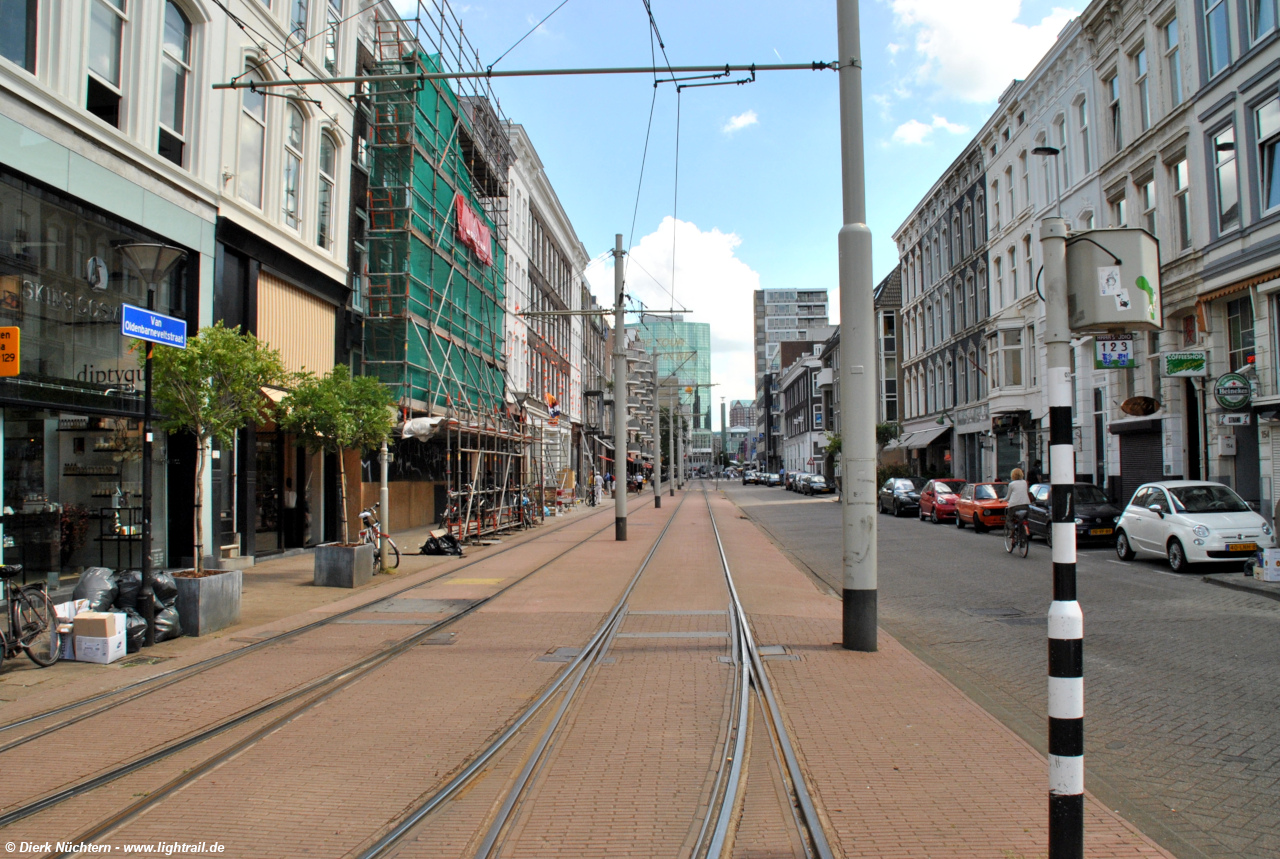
[(899, 761)]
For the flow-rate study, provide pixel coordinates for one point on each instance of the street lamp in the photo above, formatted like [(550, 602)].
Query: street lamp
[(152, 263)]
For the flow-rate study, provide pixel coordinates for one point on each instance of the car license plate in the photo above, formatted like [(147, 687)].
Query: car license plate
[(1242, 547), (1096, 532)]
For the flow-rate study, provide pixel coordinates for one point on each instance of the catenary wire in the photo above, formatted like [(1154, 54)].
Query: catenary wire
[(528, 34)]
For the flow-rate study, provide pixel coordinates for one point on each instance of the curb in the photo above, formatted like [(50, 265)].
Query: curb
[(1245, 584)]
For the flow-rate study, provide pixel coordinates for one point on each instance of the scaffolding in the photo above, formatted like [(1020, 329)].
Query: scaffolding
[(434, 326)]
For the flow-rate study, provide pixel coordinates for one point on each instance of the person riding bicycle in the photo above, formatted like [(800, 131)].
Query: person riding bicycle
[(1017, 500)]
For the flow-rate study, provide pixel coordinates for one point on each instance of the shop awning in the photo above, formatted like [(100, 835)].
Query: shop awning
[(922, 438)]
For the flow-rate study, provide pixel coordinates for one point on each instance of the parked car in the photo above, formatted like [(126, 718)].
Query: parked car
[(772, 479), (899, 494), (816, 484), (1095, 514), (794, 478), (748, 477), (982, 505), (938, 499), (1190, 522)]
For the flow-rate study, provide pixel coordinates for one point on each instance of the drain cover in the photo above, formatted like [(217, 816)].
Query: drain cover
[(772, 650)]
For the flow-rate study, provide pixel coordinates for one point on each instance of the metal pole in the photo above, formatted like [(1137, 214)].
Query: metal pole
[(146, 594), (384, 501), (671, 445), (724, 435), (657, 437), (680, 442), (619, 396), (1066, 621), (857, 353)]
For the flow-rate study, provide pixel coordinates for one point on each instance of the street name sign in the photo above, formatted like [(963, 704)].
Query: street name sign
[(10, 350), (152, 327)]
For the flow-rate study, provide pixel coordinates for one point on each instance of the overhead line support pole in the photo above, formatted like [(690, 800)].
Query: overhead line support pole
[(857, 354), (619, 396)]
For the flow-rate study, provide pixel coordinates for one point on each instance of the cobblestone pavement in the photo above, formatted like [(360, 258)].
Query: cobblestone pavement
[(1181, 698)]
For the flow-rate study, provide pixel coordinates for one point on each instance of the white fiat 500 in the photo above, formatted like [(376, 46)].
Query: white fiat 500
[(1190, 522)]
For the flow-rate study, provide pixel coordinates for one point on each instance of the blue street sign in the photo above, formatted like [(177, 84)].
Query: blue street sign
[(152, 327)]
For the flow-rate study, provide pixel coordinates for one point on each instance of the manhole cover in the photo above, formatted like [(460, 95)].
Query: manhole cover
[(772, 650), (993, 612)]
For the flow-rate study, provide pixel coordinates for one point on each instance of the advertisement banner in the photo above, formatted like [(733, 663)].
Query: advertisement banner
[(472, 230)]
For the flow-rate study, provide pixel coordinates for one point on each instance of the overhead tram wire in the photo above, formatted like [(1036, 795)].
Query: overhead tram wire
[(528, 34)]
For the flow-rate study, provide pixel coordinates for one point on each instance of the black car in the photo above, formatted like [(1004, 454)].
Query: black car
[(1095, 515), (900, 494)]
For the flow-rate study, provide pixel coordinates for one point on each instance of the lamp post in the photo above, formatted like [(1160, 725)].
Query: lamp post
[(152, 263)]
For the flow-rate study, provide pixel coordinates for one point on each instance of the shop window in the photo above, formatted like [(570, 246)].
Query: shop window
[(1240, 353), (106, 40), (18, 32), (175, 72)]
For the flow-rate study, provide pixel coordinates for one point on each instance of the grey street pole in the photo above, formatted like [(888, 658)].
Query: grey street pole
[(1066, 621), (384, 501), (857, 353), (680, 442), (619, 397), (671, 446), (657, 437), (724, 433)]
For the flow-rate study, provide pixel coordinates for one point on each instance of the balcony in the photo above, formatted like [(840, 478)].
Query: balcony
[(826, 377)]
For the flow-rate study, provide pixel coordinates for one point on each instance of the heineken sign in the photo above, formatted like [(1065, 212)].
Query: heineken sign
[(1194, 363), (1232, 391)]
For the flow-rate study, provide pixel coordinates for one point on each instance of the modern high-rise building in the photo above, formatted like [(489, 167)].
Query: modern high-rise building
[(684, 351), (742, 413), (783, 315)]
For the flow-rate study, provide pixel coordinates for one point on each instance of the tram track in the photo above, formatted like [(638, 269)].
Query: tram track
[(304, 697)]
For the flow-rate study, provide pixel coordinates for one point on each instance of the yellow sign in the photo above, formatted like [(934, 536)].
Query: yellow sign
[(10, 348)]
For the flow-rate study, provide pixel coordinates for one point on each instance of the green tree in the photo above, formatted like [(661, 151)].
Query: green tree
[(338, 412), (887, 432), (664, 432), (212, 389)]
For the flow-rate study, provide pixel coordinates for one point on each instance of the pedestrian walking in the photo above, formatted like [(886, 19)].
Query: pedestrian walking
[(597, 486)]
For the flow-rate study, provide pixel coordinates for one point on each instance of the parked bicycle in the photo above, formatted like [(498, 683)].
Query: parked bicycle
[(33, 623), (1017, 535), (372, 533)]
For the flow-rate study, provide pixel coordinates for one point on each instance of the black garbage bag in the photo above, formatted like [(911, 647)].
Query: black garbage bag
[(135, 630), (129, 582), (165, 589), (168, 625), (445, 544), (98, 585)]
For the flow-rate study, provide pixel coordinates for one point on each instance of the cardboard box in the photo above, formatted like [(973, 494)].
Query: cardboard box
[(68, 642), (68, 610), (99, 624), (90, 648)]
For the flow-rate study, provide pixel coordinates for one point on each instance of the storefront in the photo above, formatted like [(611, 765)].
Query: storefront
[(70, 420)]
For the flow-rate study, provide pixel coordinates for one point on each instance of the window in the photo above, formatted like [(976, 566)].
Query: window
[(929, 395), (1172, 63), (325, 201), (1224, 158), (968, 230), (1262, 18), (106, 40), (253, 138), (298, 20), (1217, 34), (961, 317), (1240, 334), (1008, 184), (991, 357), (1142, 91), (1013, 272), (973, 301), (1113, 112), (1028, 262), (949, 375), (18, 32), (1268, 119), (1064, 157), (1119, 211), (995, 202), (945, 262), (294, 125), (175, 71), (998, 266), (1182, 202), (937, 393), (333, 18), (1086, 220), (1026, 179), (1083, 110), (1147, 194), (1031, 355), (1011, 358), (972, 373)]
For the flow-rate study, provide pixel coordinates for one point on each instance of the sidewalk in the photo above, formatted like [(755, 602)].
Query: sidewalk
[(1241, 582), (278, 594), (902, 763)]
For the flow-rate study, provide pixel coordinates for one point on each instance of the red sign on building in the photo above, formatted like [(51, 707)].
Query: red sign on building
[(472, 230)]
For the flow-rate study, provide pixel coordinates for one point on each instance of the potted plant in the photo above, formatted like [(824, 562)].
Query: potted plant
[(335, 413), (212, 389)]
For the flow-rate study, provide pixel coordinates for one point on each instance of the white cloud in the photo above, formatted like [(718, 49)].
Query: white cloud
[(710, 282), (972, 51), (893, 49), (740, 122), (913, 132)]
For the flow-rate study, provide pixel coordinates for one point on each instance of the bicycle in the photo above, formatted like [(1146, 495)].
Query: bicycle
[(372, 533), (33, 623), (1017, 535)]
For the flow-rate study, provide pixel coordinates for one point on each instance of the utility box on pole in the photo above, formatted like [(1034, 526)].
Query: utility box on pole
[(1113, 281)]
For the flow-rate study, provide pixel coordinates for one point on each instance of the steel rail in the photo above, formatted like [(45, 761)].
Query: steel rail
[(343, 677), (581, 661), (800, 790), (186, 671)]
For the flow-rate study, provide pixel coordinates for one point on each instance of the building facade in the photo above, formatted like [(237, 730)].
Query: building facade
[(804, 429)]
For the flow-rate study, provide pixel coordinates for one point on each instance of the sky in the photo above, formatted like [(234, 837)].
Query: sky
[(753, 199)]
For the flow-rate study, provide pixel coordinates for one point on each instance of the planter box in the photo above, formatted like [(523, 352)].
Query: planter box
[(339, 566), (209, 604)]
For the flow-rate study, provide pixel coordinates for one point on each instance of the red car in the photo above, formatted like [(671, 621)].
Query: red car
[(938, 499), (982, 505)]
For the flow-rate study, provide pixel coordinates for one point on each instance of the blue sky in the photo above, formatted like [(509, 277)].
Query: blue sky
[(759, 164)]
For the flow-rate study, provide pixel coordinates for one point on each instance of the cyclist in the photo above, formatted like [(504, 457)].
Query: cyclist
[(1017, 500)]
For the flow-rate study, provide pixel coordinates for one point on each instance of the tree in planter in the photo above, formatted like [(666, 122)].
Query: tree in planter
[(212, 389), (338, 412)]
